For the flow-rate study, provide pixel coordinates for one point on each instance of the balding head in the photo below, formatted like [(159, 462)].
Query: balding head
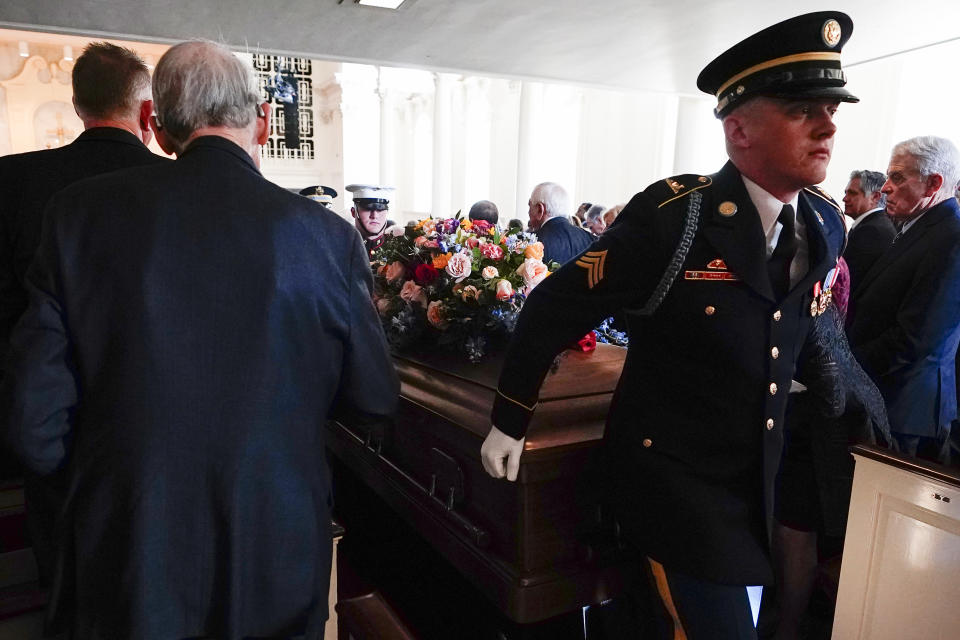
[(200, 85)]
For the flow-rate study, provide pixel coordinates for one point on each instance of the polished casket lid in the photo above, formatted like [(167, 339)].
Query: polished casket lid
[(574, 400)]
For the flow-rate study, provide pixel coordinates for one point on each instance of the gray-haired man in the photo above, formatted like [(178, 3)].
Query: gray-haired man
[(905, 323), (190, 329)]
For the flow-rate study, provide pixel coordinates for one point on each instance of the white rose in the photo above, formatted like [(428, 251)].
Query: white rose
[(489, 273), (459, 266)]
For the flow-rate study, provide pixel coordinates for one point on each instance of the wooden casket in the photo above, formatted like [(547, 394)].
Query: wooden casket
[(535, 548)]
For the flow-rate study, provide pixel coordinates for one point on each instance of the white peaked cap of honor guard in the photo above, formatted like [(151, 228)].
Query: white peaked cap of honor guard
[(370, 192)]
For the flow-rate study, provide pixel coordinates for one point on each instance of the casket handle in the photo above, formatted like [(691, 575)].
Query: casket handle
[(444, 497), (446, 488)]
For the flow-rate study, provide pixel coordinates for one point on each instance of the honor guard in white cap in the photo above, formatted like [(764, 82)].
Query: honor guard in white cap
[(369, 211)]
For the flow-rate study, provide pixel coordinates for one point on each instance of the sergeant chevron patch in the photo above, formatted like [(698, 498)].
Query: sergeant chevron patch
[(593, 262)]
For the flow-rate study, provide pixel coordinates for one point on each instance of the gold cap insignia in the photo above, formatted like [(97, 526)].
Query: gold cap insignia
[(702, 179), (831, 33), (727, 209)]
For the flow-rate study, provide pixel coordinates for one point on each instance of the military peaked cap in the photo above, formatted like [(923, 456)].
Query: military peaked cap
[(320, 193), (796, 58)]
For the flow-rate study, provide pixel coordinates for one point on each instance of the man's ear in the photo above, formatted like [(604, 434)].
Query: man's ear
[(165, 142), (263, 123), (934, 182), (146, 109), (734, 129)]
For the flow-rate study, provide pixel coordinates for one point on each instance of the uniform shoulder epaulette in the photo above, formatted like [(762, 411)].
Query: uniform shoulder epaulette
[(665, 191), (823, 195)]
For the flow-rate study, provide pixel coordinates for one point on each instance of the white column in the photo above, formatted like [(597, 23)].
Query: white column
[(441, 201), (525, 147)]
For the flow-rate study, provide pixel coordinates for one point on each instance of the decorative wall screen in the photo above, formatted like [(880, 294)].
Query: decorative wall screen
[(267, 67)]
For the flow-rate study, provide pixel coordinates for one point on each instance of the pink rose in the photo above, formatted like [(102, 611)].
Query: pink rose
[(395, 271), (459, 266), (472, 242), (431, 244), (413, 293), (491, 251), (470, 292), (504, 290), (384, 305), (436, 315), (419, 241), (489, 272), (533, 272)]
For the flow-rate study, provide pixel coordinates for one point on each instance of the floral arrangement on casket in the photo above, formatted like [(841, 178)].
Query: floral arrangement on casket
[(458, 281)]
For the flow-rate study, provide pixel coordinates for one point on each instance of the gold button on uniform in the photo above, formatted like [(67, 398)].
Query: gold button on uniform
[(777, 315), (769, 424), (710, 310), (773, 388), (774, 353), (647, 442)]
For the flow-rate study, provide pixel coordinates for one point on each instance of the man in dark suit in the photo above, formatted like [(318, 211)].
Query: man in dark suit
[(191, 326), (872, 231), (549, 208), (111, 94), (717, 276), (906, 310)]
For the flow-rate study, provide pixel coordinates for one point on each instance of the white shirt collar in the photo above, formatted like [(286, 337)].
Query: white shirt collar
[(911, 222), (767, 205), (862, 217)]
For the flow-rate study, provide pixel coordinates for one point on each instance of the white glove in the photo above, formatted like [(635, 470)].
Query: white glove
[(498, 447)]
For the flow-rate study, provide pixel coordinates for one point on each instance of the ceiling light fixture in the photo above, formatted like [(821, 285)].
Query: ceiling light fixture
[(384, 4), (67, 52), (24, 51)]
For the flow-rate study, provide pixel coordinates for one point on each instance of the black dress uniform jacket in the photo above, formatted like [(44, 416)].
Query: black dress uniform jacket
[(27, 180), (191, 326), (695, 430), (866, 242), (562, 241), (906, 323)]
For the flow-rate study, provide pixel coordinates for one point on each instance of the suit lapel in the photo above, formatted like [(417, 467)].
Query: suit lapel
[(738, 238), (819, 257), (913, 235)]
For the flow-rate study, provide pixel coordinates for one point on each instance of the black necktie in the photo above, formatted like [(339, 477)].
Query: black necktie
[(778, 266)]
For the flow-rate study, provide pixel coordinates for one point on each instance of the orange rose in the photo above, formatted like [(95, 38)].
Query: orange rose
[(534, 250), (440, 261), (436, 315), (395, 271)]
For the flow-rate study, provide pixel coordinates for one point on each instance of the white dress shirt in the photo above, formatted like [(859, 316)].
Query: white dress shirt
[(769, 208)]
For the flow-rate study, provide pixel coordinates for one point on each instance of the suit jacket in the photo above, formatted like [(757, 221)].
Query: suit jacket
[(561, 240), (191, 327), (27, 181), (695, 429), (866, 242), (906, 323)]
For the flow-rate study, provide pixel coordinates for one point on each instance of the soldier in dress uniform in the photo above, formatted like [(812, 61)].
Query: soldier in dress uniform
[(320, 193), (369, 211), (720, 278)]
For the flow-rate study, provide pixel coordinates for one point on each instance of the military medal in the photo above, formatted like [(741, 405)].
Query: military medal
[(814, 304), (823, 296)]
